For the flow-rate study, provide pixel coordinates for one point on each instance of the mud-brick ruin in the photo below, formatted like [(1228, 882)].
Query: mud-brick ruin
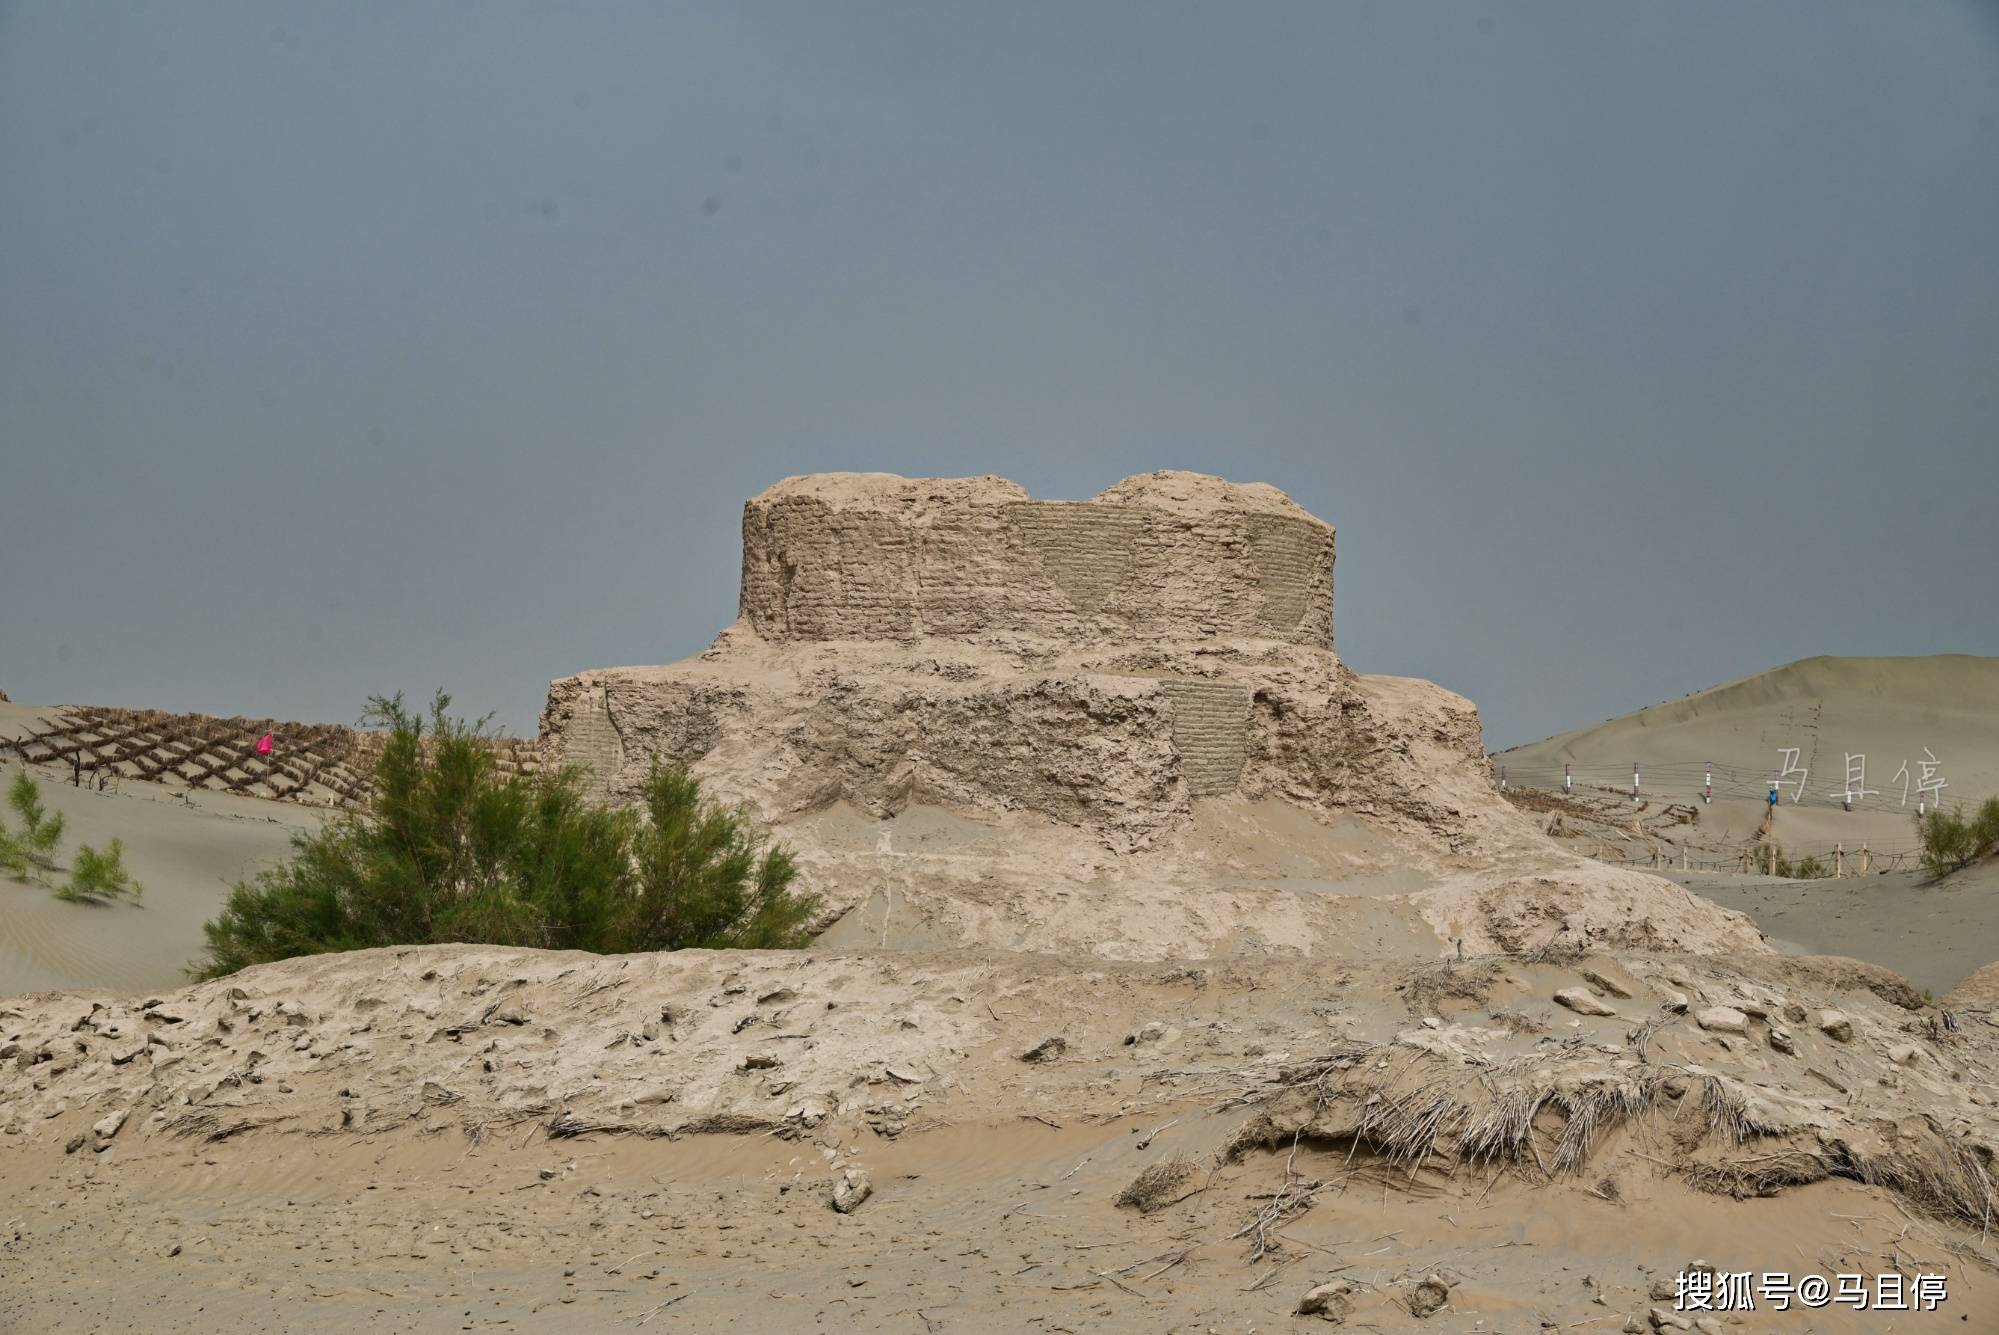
[(947, 690)]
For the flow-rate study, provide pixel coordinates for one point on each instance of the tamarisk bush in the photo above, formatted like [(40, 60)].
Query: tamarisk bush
[(448, 847)]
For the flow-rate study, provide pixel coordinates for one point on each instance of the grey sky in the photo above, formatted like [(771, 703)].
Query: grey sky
[(353, 347)]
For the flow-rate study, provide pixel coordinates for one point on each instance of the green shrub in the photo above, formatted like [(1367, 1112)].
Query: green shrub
[(1985, 828), (1951, 840), (100, 876), (1807, 869), (29, 855), (449, 849)]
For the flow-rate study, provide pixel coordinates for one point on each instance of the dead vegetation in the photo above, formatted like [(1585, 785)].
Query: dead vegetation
[(1545, 1116), (1758, 1175), (1469, 982), (1942, 1176), (1159, 1185)]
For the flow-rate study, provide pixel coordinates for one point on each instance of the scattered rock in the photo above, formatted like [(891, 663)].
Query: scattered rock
[(1676, 1003), (1151, 1033), (1330, 1301), (1836, 1025), (1723, 1020), (1905, 1054), (1663, 1320), (1781, 1040), (1757, 1005), (1429, 1295), (1582, 1002), (126, 1050), (1603, 982), (850, 1188), (1048, 1049), (104, 1128)]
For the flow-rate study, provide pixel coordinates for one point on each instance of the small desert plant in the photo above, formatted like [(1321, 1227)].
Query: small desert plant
[(1951, 839), (100, 876), (1808, 868), (1159, 1185), (1985, 827), (450, 848), (29, 855)]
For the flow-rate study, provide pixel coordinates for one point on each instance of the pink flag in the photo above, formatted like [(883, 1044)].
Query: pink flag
[(264, 745)]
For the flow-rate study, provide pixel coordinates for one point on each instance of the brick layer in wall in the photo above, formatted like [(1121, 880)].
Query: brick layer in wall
[(1086, 549), (1211, 733), (593, 742), (1286, 553)]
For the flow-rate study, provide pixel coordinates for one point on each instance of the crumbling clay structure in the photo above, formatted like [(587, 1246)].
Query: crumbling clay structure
[(1358, 1044), (1115, 724)]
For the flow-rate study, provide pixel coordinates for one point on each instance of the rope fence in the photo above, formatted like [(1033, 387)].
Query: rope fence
[(1657, 808), (1911, 789)]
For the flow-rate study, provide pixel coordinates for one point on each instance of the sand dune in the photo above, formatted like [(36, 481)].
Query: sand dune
[(184, 852), (1888, 710), (1880, 720)]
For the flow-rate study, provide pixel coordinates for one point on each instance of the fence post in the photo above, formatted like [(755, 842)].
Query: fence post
[(1866, 860), (1568, 782), (1634, 781), (1683, 857), (1838, 862), (1502, 778), (1707, 790)]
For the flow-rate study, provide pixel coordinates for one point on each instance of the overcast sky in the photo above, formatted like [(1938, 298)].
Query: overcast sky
[(1630, 347)]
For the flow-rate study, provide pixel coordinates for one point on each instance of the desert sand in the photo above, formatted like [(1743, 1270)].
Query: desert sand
[(1895, 712), (1889, 711), (1933, 932), (1173, 977), (184, 850)]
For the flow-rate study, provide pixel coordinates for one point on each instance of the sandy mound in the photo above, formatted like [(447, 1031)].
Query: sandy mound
[(632, 1124)]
